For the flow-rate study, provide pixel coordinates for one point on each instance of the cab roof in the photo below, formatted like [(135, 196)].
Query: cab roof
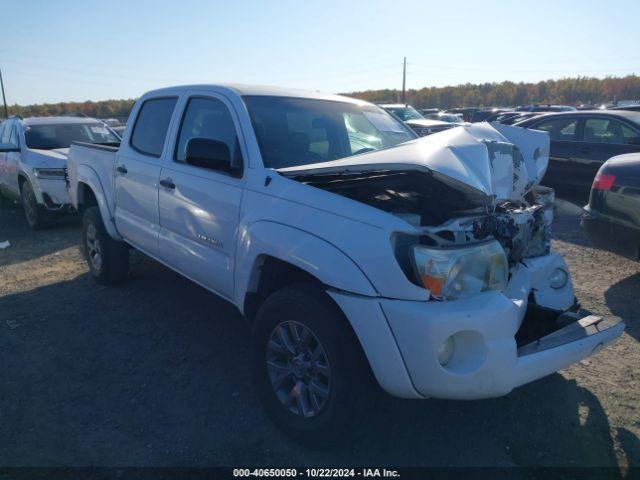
[(256, 90)]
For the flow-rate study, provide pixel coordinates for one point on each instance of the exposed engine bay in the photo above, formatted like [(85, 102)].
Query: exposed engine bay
[(449, 214), (456, 187)]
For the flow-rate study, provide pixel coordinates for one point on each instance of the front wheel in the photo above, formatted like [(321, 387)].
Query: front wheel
[(108, 259), (310, 372), (36, 215)]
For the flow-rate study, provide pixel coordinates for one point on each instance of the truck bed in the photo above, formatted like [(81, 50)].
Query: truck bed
[(88, 161)]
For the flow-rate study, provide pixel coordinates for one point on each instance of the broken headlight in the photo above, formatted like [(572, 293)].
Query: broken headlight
[(454, 273)]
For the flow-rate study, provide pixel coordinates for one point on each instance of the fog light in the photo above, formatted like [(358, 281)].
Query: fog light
[(446, 351), (558, 278)]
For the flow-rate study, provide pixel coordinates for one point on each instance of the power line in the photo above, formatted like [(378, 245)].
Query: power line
[(404, 81), (4, 99)]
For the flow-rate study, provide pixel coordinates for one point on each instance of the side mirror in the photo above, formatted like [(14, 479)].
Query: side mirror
[(8, 147), (634, 141), (208, 153)]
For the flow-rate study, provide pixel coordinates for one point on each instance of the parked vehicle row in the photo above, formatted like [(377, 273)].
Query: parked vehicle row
[(581, 141), (356, 251), (33, 155)]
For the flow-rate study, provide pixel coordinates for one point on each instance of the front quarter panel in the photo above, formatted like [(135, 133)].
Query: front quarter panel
[(297, 247)]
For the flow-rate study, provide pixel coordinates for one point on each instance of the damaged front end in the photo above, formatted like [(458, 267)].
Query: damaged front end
[(459, 187), (501, 310)]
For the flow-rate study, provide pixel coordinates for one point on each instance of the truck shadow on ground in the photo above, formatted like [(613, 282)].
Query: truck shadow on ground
[(624, 303), (156, 372), (27, 244)]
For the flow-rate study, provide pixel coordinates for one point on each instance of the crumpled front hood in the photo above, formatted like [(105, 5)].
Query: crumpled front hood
[(501, 161), (50, 158)]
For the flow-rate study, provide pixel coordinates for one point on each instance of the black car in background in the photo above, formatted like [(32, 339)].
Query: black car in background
[(466, 112), (630, 108), (509, 118), (546, 108), (484, 114), (581, 141), (612, 218)]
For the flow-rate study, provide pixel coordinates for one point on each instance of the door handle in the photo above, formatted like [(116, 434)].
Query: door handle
[(121, 169), (167, 183)]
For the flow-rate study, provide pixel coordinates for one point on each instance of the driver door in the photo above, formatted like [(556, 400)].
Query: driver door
[(200, 207)]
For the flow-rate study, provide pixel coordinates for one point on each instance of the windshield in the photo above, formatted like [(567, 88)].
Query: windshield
[(405, 113), (301, 131), (49, 137)]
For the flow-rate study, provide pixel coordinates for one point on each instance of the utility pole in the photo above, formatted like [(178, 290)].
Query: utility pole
[(404, 81), (4, 100)]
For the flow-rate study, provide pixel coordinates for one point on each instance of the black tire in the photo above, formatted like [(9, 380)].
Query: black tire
[(108, 259), (350, 383), (36, 215)]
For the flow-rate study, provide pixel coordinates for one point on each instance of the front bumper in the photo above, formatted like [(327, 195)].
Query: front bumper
[(402, 339), (52, 194)]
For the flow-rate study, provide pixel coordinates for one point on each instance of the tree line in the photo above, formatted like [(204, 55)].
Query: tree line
[(568, 91), (106, 109)]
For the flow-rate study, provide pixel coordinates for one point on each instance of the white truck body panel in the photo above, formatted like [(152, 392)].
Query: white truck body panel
[(215, 229)]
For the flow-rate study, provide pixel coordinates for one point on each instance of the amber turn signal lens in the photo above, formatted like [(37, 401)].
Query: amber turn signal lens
[(433, 284)]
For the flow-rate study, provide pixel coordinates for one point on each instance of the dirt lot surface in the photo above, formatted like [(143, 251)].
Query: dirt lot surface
[(155, 372)]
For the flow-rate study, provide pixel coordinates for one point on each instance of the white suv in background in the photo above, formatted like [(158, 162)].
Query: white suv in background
[(33, 161)]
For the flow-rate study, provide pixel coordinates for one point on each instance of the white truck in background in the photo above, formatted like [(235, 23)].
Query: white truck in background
[(354, 249), (33, 161)]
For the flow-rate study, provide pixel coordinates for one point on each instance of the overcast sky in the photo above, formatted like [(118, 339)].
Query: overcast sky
[(63, 50)]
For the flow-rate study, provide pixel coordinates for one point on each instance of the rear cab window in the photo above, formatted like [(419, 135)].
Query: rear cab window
[(150, 130)]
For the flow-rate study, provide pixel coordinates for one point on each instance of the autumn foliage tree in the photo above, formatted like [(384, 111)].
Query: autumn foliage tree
[(568, 91), (106, 109)]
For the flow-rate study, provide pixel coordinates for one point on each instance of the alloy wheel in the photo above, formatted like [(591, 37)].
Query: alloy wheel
[(94, 249), (298, 369)]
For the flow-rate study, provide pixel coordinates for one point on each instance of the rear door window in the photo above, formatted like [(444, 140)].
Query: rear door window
[(562, 129), (150, 129), (608, 130)]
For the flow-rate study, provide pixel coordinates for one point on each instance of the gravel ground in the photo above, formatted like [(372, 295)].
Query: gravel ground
[(155, 372)]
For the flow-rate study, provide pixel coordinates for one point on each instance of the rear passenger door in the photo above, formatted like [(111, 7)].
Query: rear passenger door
[(563, 132), (200, 207), (138, 165), (605, 137)]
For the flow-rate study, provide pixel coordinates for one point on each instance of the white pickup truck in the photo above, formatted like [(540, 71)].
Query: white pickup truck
[(351, 246)]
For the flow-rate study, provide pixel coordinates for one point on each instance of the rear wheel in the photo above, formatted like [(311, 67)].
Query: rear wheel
[(309, 369), (36, 215), (108, 259)]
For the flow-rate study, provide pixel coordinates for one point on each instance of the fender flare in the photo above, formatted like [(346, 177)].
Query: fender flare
[(88, 176), (303, 249), (29, 177)]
